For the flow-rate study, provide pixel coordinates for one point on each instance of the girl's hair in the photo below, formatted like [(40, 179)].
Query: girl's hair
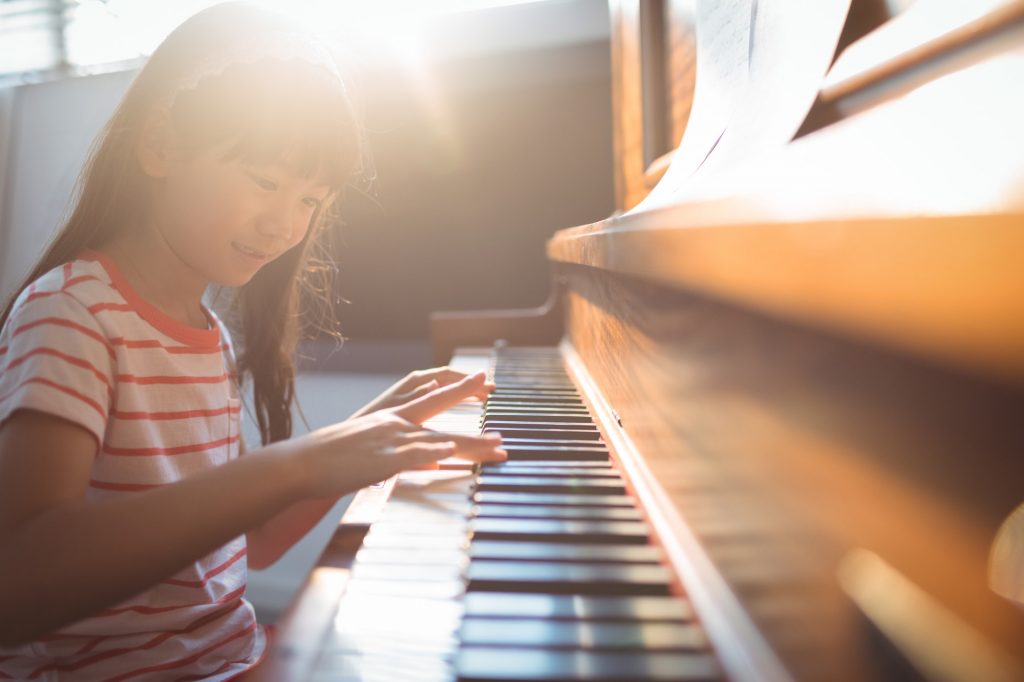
[(267, 111)]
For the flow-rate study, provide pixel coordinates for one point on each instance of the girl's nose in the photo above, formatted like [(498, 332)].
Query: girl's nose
[(277, 221)]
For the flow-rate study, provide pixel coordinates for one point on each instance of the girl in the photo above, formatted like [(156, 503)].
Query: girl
[(128, 508)]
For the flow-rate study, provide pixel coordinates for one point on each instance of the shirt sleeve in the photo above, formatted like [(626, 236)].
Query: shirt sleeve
[(55, 358)]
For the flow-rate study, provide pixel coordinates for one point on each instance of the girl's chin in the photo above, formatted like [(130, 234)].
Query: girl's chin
[(233, 276), (237, 279)]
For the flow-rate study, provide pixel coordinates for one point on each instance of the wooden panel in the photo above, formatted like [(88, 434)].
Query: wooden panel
[(682, 63), (542, 325), (947, 288), (786, 449), (634, 176)]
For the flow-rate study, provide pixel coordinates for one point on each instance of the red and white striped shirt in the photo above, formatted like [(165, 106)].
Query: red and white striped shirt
[(161, 400)]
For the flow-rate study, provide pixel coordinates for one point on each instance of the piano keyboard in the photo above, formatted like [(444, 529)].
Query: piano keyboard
[(538, 568)]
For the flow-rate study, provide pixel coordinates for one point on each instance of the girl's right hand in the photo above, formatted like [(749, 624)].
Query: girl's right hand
[(353, 454)]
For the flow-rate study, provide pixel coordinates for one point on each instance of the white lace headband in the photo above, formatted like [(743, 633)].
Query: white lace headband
[(281, 45)]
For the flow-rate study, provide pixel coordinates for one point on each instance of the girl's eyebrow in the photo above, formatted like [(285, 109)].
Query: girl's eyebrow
[(281, 168)]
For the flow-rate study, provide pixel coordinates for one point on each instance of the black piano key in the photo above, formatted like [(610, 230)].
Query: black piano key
[(487, 664), (573, 410), (519, 415), (550, 551), (520, 468), (531, 398), (526, 397), (574, 485), (563, 607), (536, 393), (536, 405), (536, 383), (586, 636), (524, 511), (523, 454), (581, 433), (498, 424), (558, 464), (567, 577), (552, 442), (563, 500), (512, 406), (554, 530), (509, 386)]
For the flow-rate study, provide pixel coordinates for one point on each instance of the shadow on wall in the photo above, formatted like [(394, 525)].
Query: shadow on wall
[(466, 198)]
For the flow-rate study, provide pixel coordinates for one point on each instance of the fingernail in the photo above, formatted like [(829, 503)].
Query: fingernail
[(492, 435)]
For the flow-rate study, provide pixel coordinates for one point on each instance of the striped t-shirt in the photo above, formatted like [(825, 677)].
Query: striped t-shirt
[(160, 397)]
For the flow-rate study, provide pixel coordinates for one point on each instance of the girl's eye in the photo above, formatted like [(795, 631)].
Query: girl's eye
[(263, 182)]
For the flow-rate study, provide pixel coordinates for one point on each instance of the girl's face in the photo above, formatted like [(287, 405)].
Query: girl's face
[(226, 219)]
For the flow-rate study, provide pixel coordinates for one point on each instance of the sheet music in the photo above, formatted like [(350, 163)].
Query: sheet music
[(793, 45), (790, 44), (723, 57)]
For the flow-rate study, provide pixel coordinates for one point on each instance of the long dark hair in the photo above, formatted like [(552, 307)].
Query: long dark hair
[(267, 110)]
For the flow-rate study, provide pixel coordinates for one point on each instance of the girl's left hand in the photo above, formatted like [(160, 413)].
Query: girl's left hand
[(418, 384)]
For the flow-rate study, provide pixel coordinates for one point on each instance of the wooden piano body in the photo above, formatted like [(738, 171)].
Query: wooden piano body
[(812, 379)]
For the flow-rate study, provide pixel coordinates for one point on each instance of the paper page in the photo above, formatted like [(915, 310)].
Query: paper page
[(723, 53), (791, 46)]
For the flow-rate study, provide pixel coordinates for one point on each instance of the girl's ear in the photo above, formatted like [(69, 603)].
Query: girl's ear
[(154, 145)]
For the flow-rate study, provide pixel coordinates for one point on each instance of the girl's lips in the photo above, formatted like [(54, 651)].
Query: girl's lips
[(252, 253)]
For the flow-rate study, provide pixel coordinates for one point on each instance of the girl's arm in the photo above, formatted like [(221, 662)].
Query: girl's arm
[(63, 558)]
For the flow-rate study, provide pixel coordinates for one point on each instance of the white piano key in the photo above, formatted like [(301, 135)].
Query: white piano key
[(440, 589), (459, 528), (413, 524), (407, 541), (413, 556), (408, 572), (346, 667)]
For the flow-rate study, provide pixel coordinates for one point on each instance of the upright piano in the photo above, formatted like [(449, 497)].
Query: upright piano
[(770, 423)]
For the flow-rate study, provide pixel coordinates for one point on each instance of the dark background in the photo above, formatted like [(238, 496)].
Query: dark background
[(465, 199)]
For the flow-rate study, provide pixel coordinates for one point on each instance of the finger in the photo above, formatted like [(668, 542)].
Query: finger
[(440, 399), (485, 448), (487, 456), (419, 455), (418, 392), (486, 390), (442, 375), (463, 443), (392, 423)]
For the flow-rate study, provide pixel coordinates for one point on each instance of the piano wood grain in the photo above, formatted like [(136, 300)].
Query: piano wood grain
[(784, 448)]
